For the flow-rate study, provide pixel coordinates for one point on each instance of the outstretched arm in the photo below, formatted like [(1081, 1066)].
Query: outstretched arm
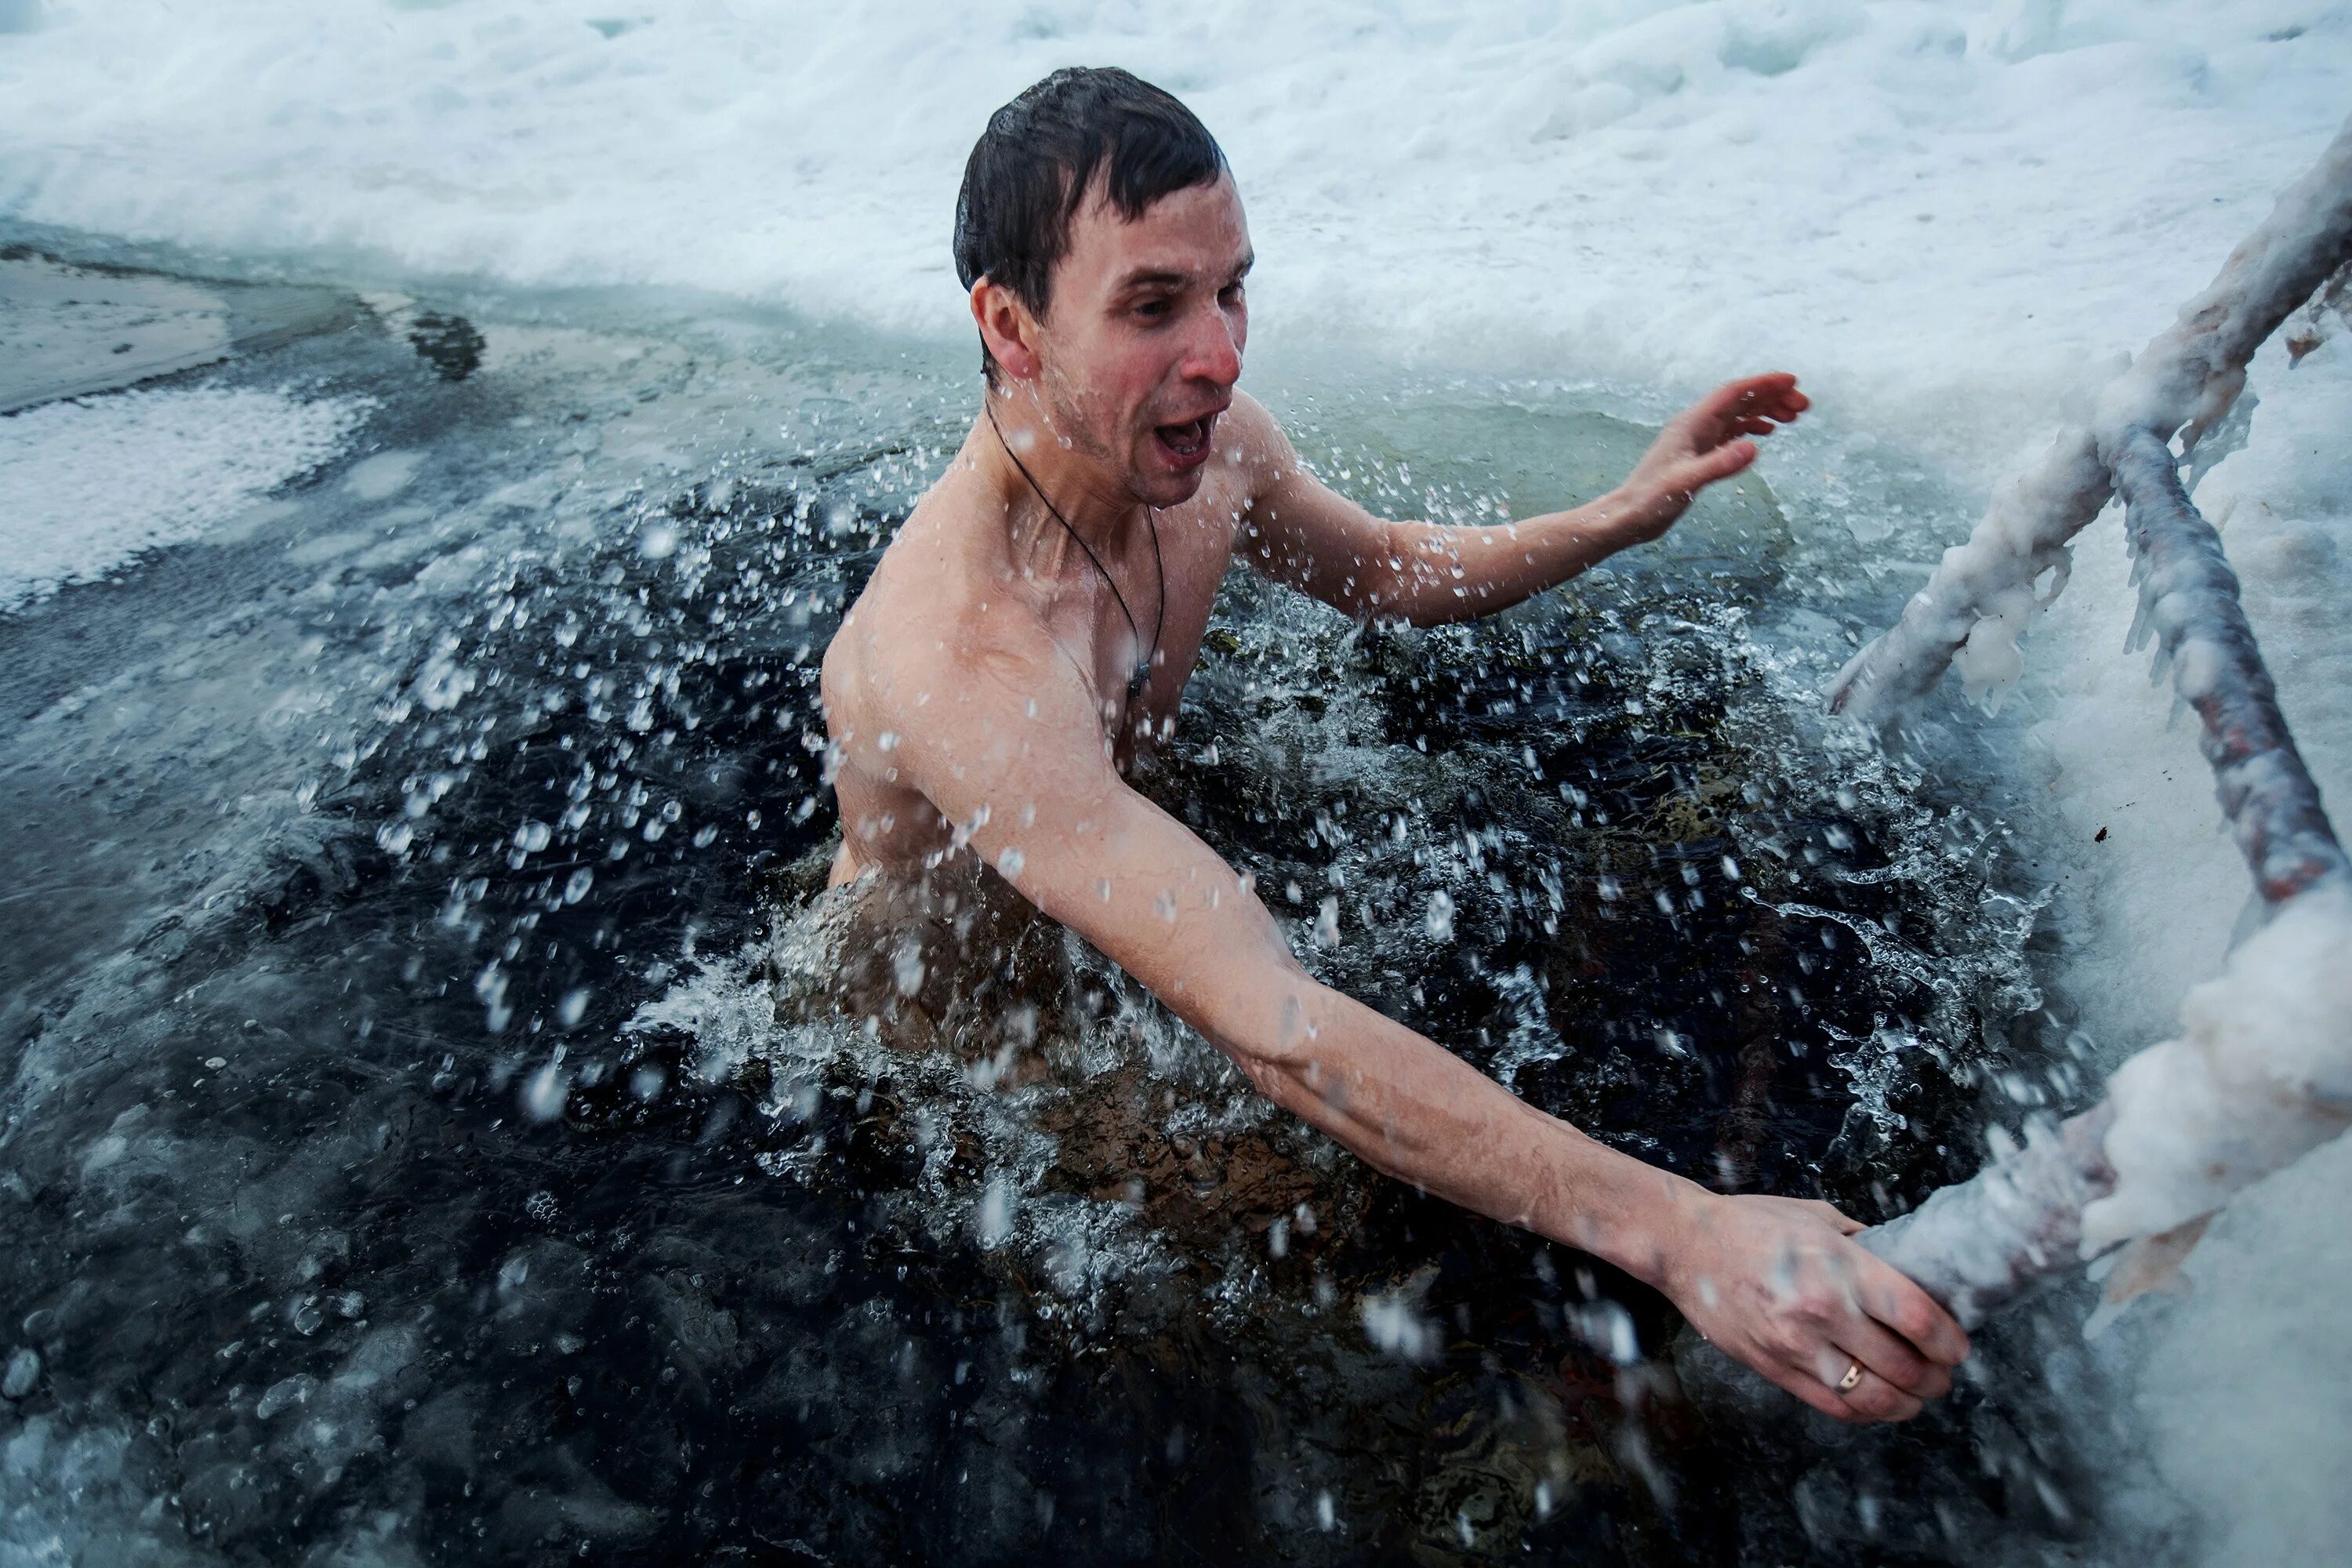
[(1301, 533), (1016, 760)]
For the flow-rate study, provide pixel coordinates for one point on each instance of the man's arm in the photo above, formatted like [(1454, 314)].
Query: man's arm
[(1014, 759), (1301, 533)]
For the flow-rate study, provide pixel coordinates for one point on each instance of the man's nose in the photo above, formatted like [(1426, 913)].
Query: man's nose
[(1213, 354)]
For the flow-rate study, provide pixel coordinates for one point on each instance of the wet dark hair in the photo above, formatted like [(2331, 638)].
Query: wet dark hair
[(1035, 162)]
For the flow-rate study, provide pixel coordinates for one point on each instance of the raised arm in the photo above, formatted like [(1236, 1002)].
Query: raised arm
[(1301, 533), (1015, 759)]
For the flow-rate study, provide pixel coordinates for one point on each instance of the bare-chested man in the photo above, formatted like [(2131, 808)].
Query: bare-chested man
[(1033, 625)]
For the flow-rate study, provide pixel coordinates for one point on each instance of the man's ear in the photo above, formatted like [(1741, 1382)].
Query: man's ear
[(1007, 330)]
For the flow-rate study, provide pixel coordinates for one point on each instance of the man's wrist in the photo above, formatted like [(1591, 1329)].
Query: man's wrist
[(1641, 1220), (1625, 515)]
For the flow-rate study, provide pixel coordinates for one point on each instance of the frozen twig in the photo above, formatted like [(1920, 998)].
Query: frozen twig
[(1981, 595)]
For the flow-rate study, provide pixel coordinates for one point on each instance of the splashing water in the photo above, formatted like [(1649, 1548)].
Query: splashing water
[(447, 1123)]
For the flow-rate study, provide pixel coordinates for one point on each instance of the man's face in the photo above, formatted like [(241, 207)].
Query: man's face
[(1143, 334)]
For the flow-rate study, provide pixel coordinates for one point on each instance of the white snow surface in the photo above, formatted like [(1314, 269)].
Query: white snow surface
[(1945, 217), (1934, 211), (89, 484)]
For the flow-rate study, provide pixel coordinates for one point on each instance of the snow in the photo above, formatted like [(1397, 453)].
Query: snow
[(1937, 212), (1947, 218), (90, 484)]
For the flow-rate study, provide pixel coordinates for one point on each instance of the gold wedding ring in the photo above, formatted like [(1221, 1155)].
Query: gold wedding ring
[(1853, 1376)]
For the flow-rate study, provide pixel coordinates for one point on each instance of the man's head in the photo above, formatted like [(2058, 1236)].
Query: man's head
[(1103, 243)]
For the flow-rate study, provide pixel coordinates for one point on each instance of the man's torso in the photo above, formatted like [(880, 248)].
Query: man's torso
[(950, 575)]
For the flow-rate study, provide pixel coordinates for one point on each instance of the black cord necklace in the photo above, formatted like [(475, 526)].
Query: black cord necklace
[(1135, 682)]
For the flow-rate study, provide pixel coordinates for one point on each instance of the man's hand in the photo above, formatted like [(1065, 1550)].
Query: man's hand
[(1775, 1282), (1705, 442)]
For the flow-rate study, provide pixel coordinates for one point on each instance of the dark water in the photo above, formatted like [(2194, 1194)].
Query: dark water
[(403, 1163)]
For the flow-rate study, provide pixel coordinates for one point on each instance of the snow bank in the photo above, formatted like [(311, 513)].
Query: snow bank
[(1936, 211)]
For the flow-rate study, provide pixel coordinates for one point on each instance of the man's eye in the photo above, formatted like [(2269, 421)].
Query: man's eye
[(1231, 295), (1152, 310)]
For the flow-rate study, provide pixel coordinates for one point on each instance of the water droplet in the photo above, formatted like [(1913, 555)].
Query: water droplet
[(544, 1092), (994, 1223), (1438, 920), (24, 1372)]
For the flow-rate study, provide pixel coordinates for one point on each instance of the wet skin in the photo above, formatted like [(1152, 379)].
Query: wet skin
[(976, 702)]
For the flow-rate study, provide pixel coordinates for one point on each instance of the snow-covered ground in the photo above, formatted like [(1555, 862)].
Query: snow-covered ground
[(1944, 215)]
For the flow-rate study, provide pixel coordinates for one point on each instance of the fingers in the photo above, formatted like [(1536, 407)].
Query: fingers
[(1889, 1357), (1812, 1391), (1872, 1397), (1721, 463), (1752, 404), (1890, 1297)]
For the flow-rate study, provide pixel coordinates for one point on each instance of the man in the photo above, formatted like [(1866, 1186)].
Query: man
[(1032, 627)]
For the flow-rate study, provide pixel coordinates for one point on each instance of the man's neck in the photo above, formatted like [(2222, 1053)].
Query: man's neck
[(1059, 479)]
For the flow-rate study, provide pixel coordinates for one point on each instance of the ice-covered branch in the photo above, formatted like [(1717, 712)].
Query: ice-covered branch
[(1981, 595), (2263, 1070), (1982, 1244), (2188, 600)]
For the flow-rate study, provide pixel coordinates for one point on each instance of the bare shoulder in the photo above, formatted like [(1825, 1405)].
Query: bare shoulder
[(934, 661), (1255, 445)]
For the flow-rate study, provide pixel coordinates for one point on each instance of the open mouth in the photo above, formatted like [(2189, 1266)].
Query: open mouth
[(1185, 444)]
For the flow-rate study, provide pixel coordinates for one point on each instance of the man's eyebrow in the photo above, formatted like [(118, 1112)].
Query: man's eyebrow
[(1168, 278), (1154, 280)]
